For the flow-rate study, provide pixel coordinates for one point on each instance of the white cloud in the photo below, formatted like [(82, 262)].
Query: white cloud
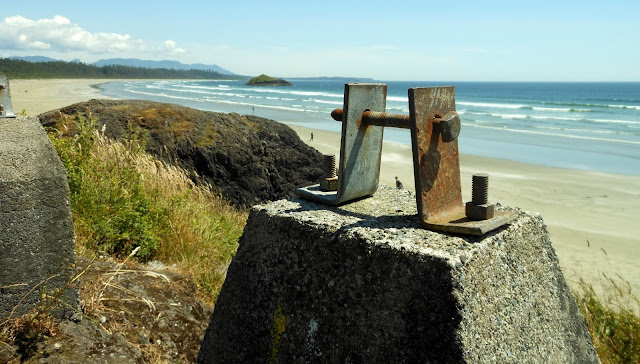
[(60, 35), (170, 47)]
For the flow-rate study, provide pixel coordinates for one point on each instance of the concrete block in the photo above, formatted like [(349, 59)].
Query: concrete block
[(365, 283), (36, 229)]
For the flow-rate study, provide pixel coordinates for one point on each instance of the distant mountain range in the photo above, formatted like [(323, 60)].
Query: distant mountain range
[(133, 62), (35, 59)]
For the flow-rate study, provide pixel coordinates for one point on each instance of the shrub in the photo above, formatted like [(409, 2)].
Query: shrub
[(109, 203)]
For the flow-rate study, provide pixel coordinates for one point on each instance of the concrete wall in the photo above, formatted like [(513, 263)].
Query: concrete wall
[(36, 230), (364, 283)]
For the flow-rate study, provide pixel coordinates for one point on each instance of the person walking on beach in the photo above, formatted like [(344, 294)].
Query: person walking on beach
[(311, 137)]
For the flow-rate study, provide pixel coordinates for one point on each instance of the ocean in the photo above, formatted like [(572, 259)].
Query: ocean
[(588, 126)]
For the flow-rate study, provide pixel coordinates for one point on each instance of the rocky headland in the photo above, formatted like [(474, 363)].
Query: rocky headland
[(248, 159)]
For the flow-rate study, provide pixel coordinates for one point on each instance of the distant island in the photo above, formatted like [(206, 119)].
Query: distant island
[(264, 80)]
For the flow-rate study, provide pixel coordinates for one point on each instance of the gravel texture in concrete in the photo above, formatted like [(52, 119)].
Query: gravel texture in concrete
[(36, 229), (365, 283)]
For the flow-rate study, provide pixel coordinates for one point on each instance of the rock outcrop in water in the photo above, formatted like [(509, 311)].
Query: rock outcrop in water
[(247, 158), (264, 80)]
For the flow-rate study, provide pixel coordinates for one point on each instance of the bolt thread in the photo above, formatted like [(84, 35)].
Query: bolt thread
[(329, 166), (480, 189)]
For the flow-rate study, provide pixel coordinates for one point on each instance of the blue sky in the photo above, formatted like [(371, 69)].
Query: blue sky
[(391, 40)]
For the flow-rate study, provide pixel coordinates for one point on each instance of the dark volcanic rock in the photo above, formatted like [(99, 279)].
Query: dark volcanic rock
[(247, 158), (264, 80)]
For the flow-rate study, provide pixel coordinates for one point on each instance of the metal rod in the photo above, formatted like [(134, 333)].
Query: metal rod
[(378, 118)]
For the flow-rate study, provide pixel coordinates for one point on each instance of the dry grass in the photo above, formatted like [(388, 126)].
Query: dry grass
[(611, 317), (92, 299), (123, 198), (27, 331)]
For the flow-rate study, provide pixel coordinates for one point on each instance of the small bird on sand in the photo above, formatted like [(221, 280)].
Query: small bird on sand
[(399, 184)]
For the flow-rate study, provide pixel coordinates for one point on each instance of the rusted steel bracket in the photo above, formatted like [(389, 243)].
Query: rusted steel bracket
[(360, 147), (6, 110), (435, 126)]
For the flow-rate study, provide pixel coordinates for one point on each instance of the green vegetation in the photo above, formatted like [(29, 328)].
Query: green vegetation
[(121, 199), (60, 69), (264, 80), (614, 326)]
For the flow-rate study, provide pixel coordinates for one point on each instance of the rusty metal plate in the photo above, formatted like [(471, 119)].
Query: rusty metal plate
[(437, 166), (458, 223), (436, 163), (6, 110), (360, 147)]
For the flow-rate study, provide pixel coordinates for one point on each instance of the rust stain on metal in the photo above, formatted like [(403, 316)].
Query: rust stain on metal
[(378, 118), (336, 114), (435, 126), (436, 163)]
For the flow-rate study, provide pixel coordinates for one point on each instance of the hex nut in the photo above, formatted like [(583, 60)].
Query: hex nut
[(479, 212), (450, 127), (329, 184)]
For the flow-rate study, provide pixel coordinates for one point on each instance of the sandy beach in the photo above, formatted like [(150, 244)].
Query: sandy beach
[(592, 217), (38, 96)]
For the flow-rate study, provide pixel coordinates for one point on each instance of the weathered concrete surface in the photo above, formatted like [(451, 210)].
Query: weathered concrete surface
[(364, 283), (36, 230)]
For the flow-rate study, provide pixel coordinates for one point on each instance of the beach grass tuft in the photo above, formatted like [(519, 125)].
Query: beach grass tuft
[(611, 319), (610, 308), (123, 199)]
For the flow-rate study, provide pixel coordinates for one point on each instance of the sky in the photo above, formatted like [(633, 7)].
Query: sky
[(385, 40)]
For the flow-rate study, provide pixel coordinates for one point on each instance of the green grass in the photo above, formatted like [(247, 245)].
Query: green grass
[(611, 320), (122, 198)]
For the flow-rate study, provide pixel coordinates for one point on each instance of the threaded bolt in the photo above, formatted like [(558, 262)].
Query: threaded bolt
[(330, 166), (329, 182), (480, 189)]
